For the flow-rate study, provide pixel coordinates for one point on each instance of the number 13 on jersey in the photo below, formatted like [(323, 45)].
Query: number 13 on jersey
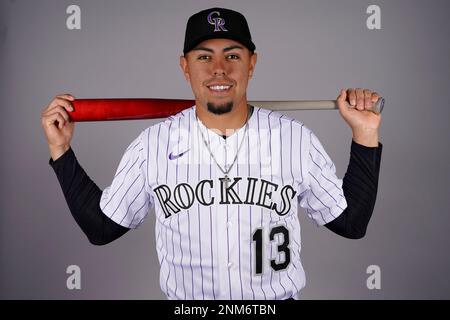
[(282, 249)]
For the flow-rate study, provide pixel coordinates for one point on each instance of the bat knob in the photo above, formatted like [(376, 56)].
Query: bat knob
[(378, 106)]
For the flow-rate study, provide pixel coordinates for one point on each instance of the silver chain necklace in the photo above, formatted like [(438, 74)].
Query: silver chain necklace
[(226, 179)]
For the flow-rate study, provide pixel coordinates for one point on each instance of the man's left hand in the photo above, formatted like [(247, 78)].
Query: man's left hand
[(354, 107)]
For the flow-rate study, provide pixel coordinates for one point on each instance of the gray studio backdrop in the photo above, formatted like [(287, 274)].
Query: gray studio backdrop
[(307, 50)]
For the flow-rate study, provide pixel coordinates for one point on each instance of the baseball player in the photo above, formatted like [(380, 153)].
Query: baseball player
[(225, 178)]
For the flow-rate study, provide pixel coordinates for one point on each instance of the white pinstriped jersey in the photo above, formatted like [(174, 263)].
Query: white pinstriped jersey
[(218, 240)]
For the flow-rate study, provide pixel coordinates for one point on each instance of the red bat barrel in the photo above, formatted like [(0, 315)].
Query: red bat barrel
[(126, 109)]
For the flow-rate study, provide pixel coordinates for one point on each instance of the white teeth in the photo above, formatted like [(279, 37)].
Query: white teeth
[(219, 88)]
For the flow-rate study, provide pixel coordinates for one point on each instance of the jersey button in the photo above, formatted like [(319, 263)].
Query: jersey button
[(230, 264), (229, 224)]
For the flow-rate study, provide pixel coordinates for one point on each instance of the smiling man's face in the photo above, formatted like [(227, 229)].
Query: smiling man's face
[(218, 71)]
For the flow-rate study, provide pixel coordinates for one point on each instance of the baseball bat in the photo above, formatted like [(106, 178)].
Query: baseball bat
[(135, 108)]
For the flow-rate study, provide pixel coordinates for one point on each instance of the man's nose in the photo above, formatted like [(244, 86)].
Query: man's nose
[(219, 67)]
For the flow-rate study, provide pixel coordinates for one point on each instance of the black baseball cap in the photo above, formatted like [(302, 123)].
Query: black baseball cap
[(217, 23)]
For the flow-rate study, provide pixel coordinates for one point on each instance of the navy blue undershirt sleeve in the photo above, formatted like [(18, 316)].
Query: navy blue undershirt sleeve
[(83, 198), (360, 186)]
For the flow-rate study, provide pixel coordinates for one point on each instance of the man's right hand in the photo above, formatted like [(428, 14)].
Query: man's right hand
[(57, 126)]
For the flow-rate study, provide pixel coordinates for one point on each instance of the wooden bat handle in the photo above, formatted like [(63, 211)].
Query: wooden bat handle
[(377, 107)]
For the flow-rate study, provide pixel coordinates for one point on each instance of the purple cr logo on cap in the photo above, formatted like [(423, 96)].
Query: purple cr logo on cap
[(217, 22)]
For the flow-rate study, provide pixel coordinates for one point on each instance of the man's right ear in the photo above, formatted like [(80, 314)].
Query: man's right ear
[(185, 68)]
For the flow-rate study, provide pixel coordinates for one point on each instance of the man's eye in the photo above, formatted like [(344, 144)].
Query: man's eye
[(203, 57), (233, 57)]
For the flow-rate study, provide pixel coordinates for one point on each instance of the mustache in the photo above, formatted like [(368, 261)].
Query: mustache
[(221, 79)]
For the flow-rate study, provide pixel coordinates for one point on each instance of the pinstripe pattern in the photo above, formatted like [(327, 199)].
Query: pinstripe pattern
[(251, 255), (228, 243), (259, 278), (239, 225), (271, 179), (199, 225), (204, 231), (188, 218), (212, 242)]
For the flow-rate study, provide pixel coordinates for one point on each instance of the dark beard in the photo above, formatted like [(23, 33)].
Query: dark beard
[(220, 109)]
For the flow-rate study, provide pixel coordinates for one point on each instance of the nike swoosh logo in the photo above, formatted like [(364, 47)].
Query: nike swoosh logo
[(176, 156)]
